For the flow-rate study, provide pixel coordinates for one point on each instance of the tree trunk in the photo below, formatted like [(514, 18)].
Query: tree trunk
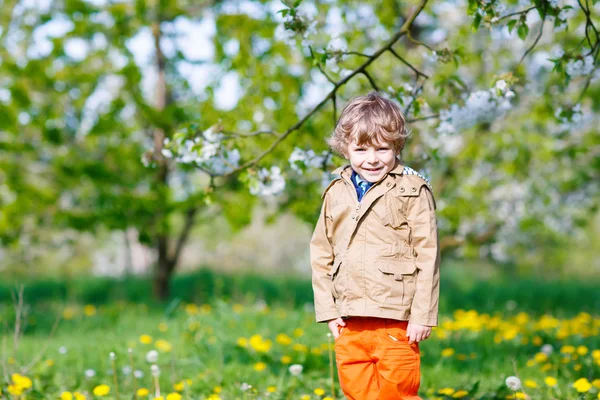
[(163, 270)]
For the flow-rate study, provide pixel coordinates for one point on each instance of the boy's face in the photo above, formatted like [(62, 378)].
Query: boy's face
[(372, 163)]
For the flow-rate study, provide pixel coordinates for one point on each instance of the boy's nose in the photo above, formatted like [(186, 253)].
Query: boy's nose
[(372, 157)]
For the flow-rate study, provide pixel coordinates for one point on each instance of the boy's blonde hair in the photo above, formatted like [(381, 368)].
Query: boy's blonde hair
[(369, 119)]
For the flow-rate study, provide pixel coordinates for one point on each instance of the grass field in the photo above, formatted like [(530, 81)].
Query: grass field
[(244, 349)]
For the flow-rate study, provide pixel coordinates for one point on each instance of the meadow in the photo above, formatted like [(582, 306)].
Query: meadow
[(252, 337)]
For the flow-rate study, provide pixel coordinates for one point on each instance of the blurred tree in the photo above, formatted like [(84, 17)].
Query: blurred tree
[(502, 99)]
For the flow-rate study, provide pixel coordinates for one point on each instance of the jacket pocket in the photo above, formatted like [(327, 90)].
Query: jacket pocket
[(400, 276), (333, 273)]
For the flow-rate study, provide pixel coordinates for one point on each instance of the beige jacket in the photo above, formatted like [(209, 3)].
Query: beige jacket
[(379, 257)]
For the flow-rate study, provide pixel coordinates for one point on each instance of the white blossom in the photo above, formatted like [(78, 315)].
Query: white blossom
[(155, 370), (296, 369), (90, 373), (112, 356), (308, 159), (138, 374), (547, 349), (152, 356), (245, 386), (126, 370), (513, 383), (269, 182), (62, 350), (580, 67)]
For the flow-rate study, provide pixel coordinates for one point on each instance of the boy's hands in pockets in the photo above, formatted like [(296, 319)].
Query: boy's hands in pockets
[(335, 325), (416, 332)]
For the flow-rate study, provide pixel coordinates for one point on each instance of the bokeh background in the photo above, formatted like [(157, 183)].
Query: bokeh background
[(161, 170)]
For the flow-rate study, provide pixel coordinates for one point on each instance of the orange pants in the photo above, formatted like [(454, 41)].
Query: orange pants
[(375, 361)]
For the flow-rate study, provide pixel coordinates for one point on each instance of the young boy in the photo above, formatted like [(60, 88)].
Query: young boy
[(375, 256)]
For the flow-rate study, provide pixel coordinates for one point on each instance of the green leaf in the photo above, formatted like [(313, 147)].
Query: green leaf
[(476, 22), (511, 25), (523, 31), (539, 5)]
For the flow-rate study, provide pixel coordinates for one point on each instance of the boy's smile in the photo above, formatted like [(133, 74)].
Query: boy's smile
[(371, 161)]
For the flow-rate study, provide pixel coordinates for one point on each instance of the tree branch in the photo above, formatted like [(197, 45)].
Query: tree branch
[(416, 71), (403, 31), (371, 81), (516, 13), (537, 39)]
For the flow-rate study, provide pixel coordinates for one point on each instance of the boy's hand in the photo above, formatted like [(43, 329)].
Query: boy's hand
[(334, 326), (416, 332)]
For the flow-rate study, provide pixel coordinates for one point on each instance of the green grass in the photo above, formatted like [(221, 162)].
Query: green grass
[(205, 347)]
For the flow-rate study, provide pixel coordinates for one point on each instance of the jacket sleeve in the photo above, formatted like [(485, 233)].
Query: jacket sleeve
[(422, 221), (321, 260)]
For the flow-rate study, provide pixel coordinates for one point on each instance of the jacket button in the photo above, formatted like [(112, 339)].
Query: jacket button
[(388, 184), (402, 189), (414, 189)]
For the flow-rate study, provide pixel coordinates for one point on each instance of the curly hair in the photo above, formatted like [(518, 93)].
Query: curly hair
[(369, 119)]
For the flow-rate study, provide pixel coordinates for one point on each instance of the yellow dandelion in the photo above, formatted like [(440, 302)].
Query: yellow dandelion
[(530, 363), (582, 350), (550, 381), (283, 339), (567, 349), (460, 394), (448, 352), (286, 359), (66, 396), (159, 398), (242, 342), (237, 308), (101, 390), (68, 313), (546, 367), (298, 332), (260, 366), (596, 354), (145, 339), (21, 380), (179, 386), (541, 358), (520, 395), (327, 398), (191, 309), (582, 385), (78, 396), (163, 345), (89, 310), (300, 348), (206, 308), (214, 396), (530, 383), (319, 392), (577, 367), (537, 340), (305, 397), (271, 389), (173, 396), (217, 389), (15, 390), (596, 383), (446, 391), (49, 363), (142, 392)]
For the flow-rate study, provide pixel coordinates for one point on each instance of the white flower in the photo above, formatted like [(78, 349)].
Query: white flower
[(62, 350), (553, 3), (167, 153), (112, 356), (126, 370), (245, 386), (155, 370), (296, 369), (269, 183), (90, 373), (513, 383), (138, 374), (547, 349), (152, 356), (501, 85)]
